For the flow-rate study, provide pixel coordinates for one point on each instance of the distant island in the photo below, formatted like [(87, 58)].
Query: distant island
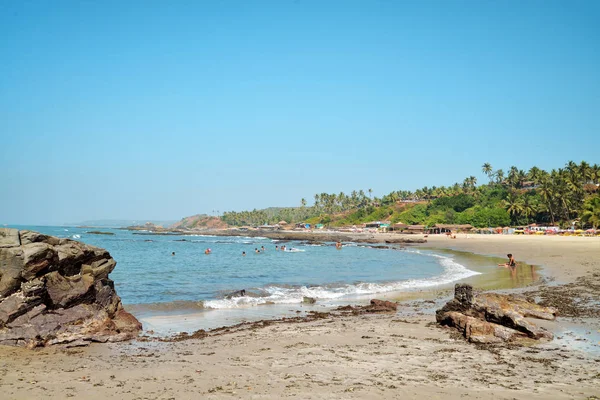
[(118, 223)]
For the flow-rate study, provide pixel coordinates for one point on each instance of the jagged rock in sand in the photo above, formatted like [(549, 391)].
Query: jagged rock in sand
[(492, 317), (309, 300), (56, 291), (377, 306)]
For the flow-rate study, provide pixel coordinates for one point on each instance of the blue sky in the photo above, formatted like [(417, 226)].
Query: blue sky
[(159, 110)]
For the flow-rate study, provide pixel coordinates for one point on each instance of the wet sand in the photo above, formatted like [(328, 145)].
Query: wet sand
[(402, 355), (563, 258)]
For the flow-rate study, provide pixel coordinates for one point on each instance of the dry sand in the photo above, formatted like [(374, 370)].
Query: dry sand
[(344, 357)]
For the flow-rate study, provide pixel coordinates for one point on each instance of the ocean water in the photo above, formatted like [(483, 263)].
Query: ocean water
[(150, 279)]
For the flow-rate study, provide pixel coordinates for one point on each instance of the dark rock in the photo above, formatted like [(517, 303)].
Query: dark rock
[(107, 298), (480, 331), (64, 290), (28, 237), (125, 322), (11, 265), (378, 306), (492, 317), (237, 293), (35, 287), (15, 305), (28, 316), (57, 291), (37, 257), (463, 293)]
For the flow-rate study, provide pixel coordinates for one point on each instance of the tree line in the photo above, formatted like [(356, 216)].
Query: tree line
[(565, 196)]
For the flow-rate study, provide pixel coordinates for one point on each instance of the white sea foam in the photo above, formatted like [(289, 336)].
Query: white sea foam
[(453, 271), (196, 235)]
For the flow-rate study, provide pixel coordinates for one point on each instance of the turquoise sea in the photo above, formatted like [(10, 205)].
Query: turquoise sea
[(153, 281)]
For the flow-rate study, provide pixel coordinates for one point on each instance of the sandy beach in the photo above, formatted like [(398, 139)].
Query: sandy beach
[(340, 356)]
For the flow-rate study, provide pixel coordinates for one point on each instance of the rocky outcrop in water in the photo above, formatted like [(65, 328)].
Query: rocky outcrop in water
[(56, 291), (492, 317)]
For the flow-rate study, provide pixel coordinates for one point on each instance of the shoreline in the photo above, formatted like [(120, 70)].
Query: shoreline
[(356, 357), (282, 234), (170, 318)]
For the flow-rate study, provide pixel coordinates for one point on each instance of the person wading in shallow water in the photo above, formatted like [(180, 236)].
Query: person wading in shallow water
[(511, 262)]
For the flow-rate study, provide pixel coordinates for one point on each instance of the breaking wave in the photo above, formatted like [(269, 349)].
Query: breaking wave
[(452, 271)]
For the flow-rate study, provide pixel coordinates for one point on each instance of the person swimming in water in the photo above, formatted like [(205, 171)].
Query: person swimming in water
[(256, 250), (262, 249), (243, 254), (207, 251)]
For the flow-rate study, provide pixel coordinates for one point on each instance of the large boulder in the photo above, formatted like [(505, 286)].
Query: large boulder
[(57, 291), (493, 317), (9, 238)]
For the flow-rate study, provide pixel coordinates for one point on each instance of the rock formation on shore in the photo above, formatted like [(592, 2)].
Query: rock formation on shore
[(492, 317), (56, 291)]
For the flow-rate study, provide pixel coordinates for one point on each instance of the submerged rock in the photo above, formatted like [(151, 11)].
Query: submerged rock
[(57, 291), (492, 317)]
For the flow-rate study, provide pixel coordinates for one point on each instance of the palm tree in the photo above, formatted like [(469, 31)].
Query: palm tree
[(595, 173), (487, 169), (591, 211), (534, 174), (547, 194), (585, 171), (514, 204), (303, 202), (370, 192), (529, 207), (513, 176), (472, 181), (571, 166), (499, 176)]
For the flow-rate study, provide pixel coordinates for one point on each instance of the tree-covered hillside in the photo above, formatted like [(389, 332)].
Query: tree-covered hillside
[(563, 196)]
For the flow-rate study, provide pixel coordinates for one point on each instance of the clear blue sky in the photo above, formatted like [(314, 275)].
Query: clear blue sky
[(163, 109)]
